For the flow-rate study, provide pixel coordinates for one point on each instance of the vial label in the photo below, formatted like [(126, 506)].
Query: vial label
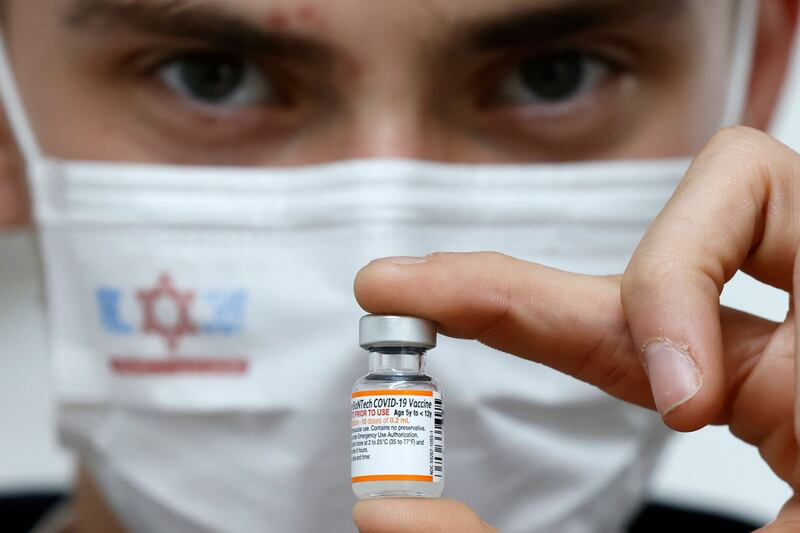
[(397, 436)]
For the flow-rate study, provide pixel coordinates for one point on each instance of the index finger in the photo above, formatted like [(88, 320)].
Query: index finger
[(571, 322)]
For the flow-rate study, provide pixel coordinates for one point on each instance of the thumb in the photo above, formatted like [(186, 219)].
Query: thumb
[(417, 515)]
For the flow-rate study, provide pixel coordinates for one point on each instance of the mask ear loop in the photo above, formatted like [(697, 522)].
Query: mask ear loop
[(742, 66), (15, 111), (22, 132)]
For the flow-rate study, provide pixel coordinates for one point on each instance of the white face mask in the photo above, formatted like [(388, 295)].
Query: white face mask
[(203, 333)]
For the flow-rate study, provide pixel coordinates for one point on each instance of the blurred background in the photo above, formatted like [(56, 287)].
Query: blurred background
[(708, 469)]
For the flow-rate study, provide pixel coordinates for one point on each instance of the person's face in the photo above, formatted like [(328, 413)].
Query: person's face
[(287, 82)]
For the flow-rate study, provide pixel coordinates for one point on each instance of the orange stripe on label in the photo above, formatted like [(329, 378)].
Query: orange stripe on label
[(390, 392), (392, 477)]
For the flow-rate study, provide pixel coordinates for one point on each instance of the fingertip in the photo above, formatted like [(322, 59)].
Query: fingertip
[(694, 414), (376, 282), (362, 513), (681, 392), (381, 515), (463, 292), (416, 515)]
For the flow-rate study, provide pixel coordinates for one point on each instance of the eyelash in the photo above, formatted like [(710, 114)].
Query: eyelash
[(506, 81), (244, 77), (504, 86), (149, 66)]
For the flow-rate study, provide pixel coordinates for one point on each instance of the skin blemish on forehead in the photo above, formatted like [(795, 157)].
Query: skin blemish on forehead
[(353, 69), (307, 13), (277, 19), (281, 18)]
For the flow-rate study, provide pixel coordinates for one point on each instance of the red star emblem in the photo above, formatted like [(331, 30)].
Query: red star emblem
[(183, 325)]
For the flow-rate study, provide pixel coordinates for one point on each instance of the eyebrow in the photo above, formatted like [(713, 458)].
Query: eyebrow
[(189, 19), (543, 24)]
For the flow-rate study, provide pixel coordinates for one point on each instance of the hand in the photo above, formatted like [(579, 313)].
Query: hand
[(655, 336)]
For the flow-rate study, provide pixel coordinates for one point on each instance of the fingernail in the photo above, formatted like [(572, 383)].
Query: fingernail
[(673, 375), (406, 260)]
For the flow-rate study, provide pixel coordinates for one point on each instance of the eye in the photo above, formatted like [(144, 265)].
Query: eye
[(554, 79), (217, 80)]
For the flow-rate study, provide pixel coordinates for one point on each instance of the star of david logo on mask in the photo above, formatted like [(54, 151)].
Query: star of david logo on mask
[(165, 290)]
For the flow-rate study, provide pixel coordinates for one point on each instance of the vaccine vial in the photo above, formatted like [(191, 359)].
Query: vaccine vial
[(397, 418)]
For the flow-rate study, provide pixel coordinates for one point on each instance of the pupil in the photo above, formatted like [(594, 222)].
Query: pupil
[(211, 78), (554, 78)]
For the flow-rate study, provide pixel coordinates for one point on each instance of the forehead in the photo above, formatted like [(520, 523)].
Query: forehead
[(386, 14), (375, 28), (305, 7)]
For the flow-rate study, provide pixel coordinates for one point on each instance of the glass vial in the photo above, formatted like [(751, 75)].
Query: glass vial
[(397, 418)]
